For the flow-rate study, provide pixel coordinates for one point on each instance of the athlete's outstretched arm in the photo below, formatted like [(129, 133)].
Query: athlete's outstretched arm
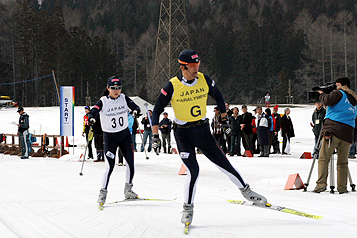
[(131, 104), (95, 110), (164, 99)]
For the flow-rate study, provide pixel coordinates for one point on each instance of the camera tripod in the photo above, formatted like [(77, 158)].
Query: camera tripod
[(332, 169)]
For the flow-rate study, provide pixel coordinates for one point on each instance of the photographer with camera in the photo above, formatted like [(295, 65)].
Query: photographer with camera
[(337, 133)]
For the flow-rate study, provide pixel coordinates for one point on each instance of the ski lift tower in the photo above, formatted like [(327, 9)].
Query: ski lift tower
[(172, 38)]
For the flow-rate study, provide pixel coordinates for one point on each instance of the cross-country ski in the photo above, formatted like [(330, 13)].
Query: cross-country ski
[(277, 208)]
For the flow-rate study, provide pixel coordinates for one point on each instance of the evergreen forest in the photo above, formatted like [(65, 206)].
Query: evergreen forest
[(249, 47)]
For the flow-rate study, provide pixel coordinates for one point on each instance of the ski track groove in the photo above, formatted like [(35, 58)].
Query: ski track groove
[(21, 212)]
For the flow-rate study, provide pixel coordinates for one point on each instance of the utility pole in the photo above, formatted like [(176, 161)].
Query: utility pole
[(88, 99), (172, 38)]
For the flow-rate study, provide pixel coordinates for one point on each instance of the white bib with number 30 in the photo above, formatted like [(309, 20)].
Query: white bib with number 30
[(114, 114)]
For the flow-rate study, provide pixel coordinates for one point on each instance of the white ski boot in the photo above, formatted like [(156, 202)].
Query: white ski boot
[(128, 193), (102, 196), (187, 214), (256, 198)]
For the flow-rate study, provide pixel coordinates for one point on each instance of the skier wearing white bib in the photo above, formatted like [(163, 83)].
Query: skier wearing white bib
[(113, 108)]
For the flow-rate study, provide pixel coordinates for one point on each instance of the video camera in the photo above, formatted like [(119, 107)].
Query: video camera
[(326, 88)]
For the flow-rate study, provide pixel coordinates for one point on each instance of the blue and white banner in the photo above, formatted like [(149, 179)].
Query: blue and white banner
[(67, 110)]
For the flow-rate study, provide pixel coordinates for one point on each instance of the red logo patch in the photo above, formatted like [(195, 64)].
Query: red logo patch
[(115, 80), (194, 56), (163, 92)]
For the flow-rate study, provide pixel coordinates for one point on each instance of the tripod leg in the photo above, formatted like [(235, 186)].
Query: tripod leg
[(332, 175), (353, 186), (318, 145)]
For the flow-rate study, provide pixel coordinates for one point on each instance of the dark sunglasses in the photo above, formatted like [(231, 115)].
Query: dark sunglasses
[(115, 87)]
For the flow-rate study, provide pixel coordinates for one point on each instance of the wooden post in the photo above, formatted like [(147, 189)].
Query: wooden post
[(62, 146), (54, 78)]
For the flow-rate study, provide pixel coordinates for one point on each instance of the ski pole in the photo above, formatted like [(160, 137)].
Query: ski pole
[(90, 138)]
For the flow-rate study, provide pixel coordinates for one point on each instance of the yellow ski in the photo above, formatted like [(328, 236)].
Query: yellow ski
[(277, 208)]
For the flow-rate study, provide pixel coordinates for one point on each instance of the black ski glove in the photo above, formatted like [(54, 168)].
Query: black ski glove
[(136, 113), (91, 121)]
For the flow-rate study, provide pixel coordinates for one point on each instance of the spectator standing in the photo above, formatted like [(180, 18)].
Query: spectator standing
[(147, 132), (255, 143), (352, 153), (267, 100), (318, 117), (276, 129), (228, 110), (263, 126), (86, 129), (338, 130), (98, 139), (165, 128), (287, 129), (271, 128), (236, 133), (247, 130), (218, 129), (23, 132), (226, 134)]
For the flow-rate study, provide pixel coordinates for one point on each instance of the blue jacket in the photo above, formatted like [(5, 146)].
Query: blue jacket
[(340, 102), (343, 111)]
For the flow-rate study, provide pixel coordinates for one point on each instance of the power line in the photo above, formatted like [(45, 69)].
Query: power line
[(29, 80)]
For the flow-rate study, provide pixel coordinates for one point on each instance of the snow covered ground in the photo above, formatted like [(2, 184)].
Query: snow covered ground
[(45, 197)]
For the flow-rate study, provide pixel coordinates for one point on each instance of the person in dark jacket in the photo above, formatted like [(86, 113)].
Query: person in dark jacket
[(85, 132), (147, 132), (263, 126), (228, 136), (165, 128), (318, 117), (247, 130), (337, 132), (98, 139), (271, 128), (23, 130), (255, 142), (218, 130), (287, 129), (276, 128), (236, 132)]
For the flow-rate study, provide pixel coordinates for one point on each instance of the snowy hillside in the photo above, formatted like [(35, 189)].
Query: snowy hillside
[(45, 197)]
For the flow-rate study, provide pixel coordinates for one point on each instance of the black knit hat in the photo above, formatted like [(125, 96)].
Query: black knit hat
[(188, 56), (114, 81), (344, 81)]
